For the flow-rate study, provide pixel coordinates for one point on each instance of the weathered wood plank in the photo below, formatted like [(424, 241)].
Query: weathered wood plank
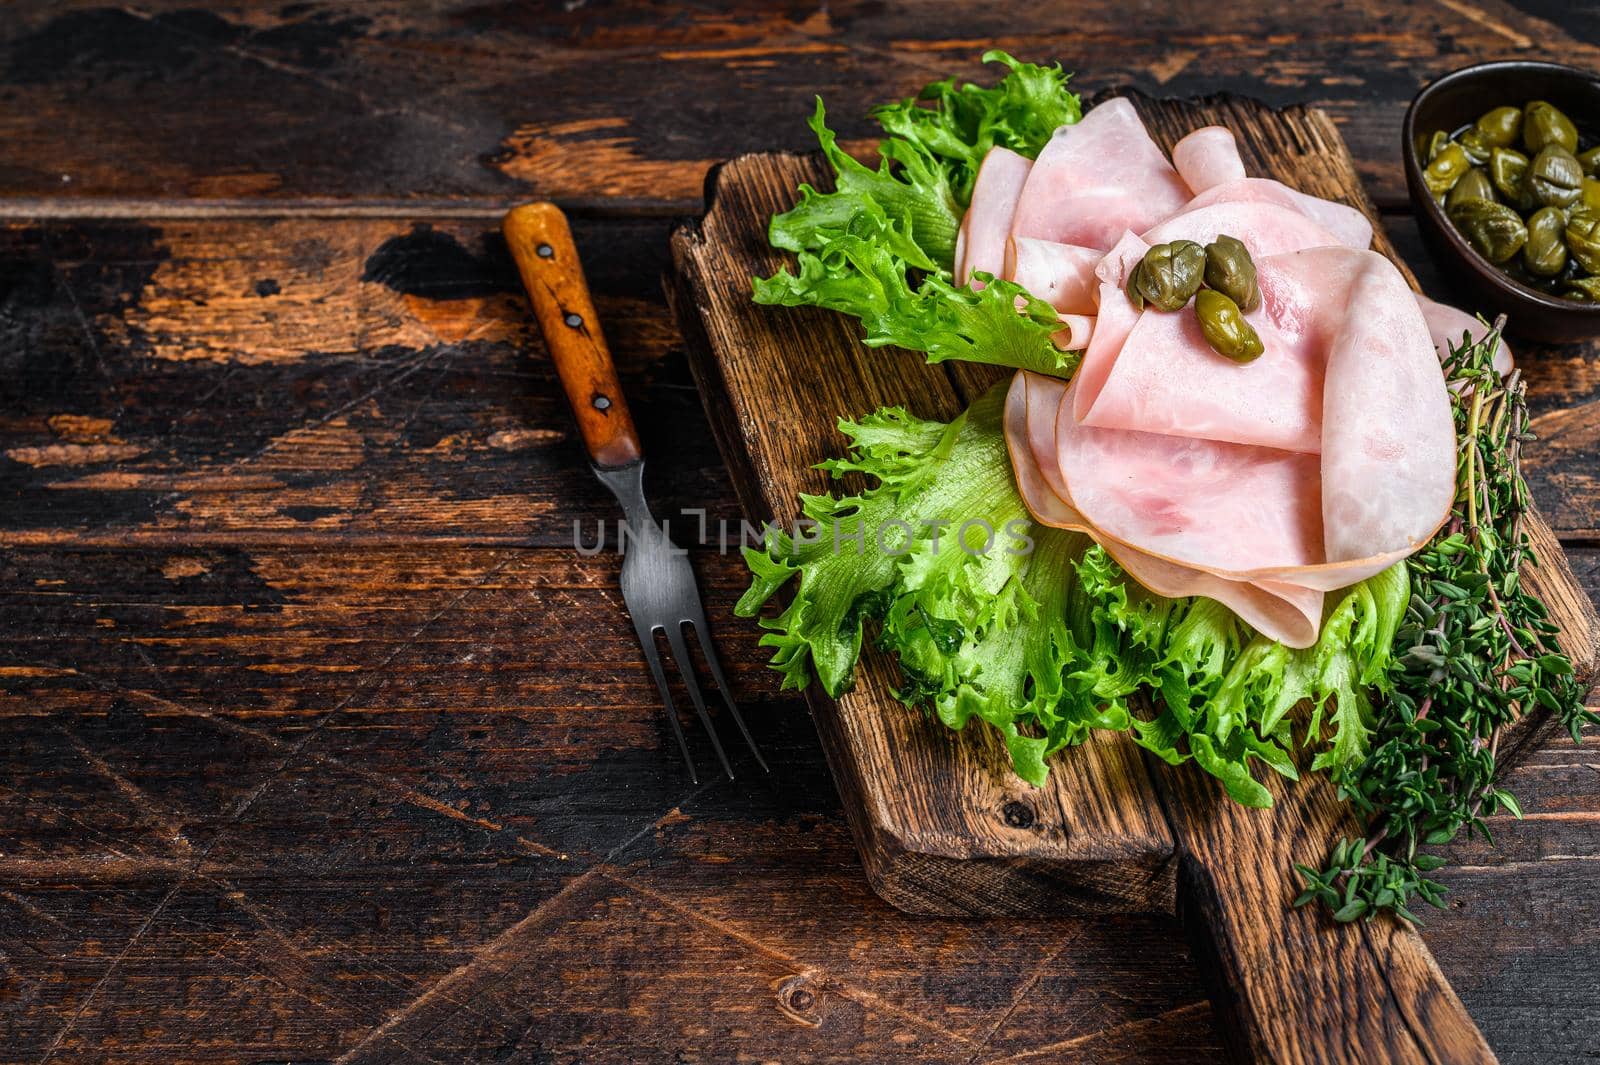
[(469, 100), (392, 364)]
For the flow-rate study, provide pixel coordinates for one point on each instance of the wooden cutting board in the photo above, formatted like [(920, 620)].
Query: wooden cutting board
[(942, 824)]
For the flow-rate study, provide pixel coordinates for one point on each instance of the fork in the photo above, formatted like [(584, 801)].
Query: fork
[(658, 585)]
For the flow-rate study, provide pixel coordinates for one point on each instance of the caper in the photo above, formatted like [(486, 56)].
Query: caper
[(1231, 271), (1590, 161), (1131, 286), (1499, 128), (1543, 124), (1446, 169), (1554, 179), (1474, 185), (1545, 254), (1435, 145), (1507, 168), (1583, 239), (1475, 146), (1589, 198), (1225, 328), (1169, 274), (1494, 229), (1583, 288)]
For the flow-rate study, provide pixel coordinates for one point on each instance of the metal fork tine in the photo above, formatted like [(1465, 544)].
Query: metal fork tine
[(686, 667), (647, 640), (703, 635)]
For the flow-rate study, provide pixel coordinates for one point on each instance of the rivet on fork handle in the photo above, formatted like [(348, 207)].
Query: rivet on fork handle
[(541, 243)]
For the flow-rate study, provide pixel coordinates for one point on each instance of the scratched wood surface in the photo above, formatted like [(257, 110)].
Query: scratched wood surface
[(321, 742)]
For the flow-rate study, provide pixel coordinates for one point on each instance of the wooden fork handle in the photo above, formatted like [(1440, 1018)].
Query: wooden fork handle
[(541, 243)]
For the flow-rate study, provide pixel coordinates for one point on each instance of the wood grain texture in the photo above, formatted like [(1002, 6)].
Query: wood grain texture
[(473, 100), (1352, 993)]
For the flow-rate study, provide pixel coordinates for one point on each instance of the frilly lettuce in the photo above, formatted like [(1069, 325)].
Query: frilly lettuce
[(1037, 632), (881, 246)]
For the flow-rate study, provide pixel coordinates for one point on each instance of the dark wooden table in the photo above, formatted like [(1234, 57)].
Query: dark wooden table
[(320, 742)]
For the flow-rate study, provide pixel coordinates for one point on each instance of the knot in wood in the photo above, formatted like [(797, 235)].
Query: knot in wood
[(1018, 814), (798, 999)]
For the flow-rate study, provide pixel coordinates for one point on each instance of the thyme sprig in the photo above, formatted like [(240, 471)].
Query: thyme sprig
[(1475, 652)]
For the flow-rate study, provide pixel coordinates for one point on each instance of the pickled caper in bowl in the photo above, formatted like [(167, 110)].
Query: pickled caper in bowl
[(1518, 183), (1495, 230)]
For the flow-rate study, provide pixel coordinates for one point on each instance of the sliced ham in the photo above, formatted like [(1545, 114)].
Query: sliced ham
[(1060, 274), (1376, 487), (981, 242), (1164, 378), (1447, 325), (1263, 228), (1283, 612), (1349, 226), (1077, 331), (1207, 157), (1230, 509), (1097, 179)]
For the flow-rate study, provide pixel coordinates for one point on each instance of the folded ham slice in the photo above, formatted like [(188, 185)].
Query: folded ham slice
[(1264, 228), (1282, 611), (981, 241), (1207, 157), (1060, 274), (1349, 226), (1097, 179), (1275, 524)]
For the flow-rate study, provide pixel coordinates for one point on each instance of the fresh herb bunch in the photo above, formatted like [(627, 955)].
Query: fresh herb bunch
[(881, 246), (1475, 652)]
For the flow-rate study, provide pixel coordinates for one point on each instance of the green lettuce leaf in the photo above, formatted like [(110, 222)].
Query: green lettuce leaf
[(881, 245)]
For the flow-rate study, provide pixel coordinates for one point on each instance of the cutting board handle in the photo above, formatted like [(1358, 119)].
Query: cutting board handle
[(1289, 985), (546, 257)]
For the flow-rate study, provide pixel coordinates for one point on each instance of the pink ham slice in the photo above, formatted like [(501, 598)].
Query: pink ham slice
[(1349, 226), (1230, 509), (1264, 228), (1283, 612), (1060, 274), (981, 242), (1076, 333), (1097, 179), (1448, 325), (1209, 156), (1266, 516)]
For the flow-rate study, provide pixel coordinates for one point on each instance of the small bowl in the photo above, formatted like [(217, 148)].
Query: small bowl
[(1456, 100)]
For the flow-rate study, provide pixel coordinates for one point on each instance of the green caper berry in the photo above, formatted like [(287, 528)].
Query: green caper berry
[(1475, 146), (1586, 289), (1583, 239), (1435, 144), (1499, 128), (1543, 124), (1555, 179), (1589, 198), (1474, 185), (1590, 161), (1170, 274), (1494, 229), (1507, 168), (1231, 271), (1446, 169), (1225, 327), (1545, 253)]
